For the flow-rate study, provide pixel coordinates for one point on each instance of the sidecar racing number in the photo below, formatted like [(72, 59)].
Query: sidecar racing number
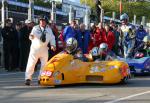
[(46, 73)]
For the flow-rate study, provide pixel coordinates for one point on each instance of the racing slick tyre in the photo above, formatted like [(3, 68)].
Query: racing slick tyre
[(124, 80)]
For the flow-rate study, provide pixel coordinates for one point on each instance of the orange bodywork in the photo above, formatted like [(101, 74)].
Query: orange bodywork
[(64, 69)]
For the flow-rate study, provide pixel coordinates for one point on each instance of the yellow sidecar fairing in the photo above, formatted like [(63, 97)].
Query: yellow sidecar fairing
[(64, 69)]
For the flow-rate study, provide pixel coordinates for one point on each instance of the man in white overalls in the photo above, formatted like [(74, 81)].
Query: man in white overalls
[(40, 36)]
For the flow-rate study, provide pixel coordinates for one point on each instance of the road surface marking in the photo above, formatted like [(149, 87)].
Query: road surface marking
[(14, 80), (11, 73), (128, 97)]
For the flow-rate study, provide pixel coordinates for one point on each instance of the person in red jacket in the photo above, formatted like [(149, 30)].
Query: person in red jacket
[(92, 32), (54, 28), (98, 36), (102, 32), (110, 37)]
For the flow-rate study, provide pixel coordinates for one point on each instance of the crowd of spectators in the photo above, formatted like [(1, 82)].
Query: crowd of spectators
[(16, 43)]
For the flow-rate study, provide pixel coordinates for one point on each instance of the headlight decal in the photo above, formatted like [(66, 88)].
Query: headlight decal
[(55, 74), (97, 69), (113, 67), (58, 81)]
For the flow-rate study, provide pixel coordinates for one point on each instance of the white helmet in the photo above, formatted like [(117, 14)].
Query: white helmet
[(71, 45), (94, 51), (124, 17), (103, 47), (146, 39)]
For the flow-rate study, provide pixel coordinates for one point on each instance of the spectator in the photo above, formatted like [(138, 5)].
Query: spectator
[(102, 32), (116, 48), (61, 43), (0, 41), (92, 32), (56, 33), (83, 38), (70, 31), (0, 33), (98, 36), (140, 34), (25, 44), (112, 24), (18, 27), (110, 37), (10, 42)]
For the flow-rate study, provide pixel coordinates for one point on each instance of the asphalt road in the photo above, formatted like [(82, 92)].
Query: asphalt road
[(13, 90)]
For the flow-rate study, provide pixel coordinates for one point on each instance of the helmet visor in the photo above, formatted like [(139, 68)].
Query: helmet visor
[(69, 48), (103, 49)]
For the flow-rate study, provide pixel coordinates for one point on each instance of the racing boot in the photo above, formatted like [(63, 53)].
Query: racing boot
[(28, 82)]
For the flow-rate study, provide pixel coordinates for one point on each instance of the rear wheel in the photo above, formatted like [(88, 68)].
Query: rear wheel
[(124, 80)]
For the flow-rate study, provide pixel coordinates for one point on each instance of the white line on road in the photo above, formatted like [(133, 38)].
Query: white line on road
[(128, 97), (16, 80), (11, 73)]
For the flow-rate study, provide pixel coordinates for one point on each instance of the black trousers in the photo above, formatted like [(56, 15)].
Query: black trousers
[(24, 54), (10, 56)]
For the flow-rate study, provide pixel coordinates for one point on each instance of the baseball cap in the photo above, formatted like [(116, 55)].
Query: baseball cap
[(28, 21)]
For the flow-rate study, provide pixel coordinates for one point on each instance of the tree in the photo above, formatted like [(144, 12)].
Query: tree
[(90, 3), (139, 8)]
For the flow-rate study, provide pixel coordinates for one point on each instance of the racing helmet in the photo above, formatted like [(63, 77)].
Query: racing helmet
[(146, 39), (94, 52), (141, 27), (71, 45), (103, 48), (124, 17)]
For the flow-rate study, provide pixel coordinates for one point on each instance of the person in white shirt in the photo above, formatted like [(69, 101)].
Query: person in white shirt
[(40, 36)]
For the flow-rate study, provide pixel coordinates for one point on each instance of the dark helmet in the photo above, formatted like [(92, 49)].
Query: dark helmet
[(43, 17), (141, 27)]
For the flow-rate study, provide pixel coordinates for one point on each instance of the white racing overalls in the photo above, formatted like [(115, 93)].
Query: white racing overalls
[(38, 49), (128, 44)]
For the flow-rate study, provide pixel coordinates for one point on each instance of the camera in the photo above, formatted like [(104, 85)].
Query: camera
[(43, 37)]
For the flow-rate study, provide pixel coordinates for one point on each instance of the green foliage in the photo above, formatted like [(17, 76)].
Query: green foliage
[(138, 8), (90, 3)]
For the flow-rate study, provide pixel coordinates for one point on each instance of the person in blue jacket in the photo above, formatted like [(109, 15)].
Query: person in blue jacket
[(70, 31), (140, 34), (83, 38)]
